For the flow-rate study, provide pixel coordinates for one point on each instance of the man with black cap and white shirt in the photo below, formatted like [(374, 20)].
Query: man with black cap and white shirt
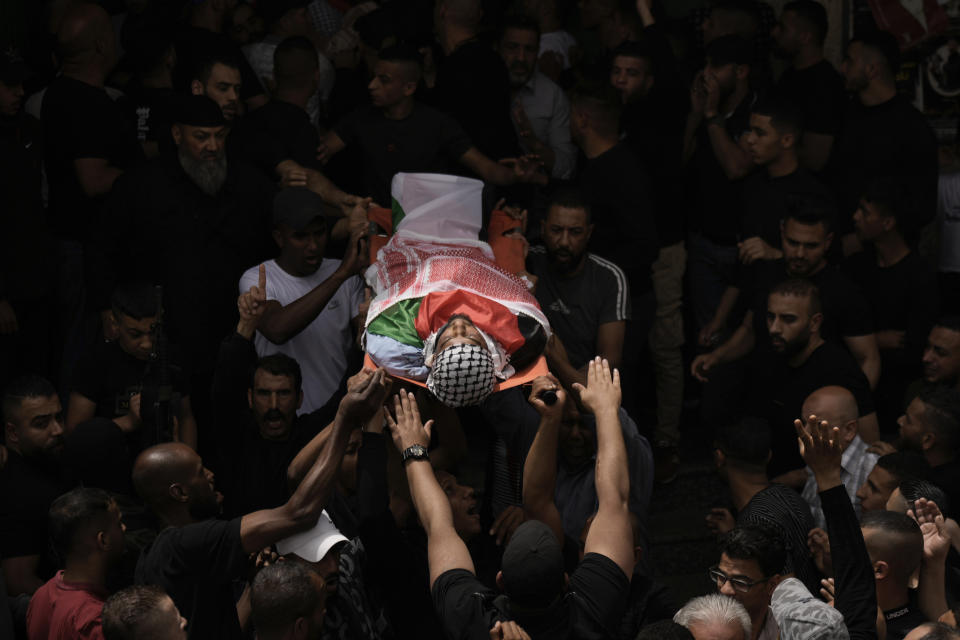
[(537, 594), (312, 301)]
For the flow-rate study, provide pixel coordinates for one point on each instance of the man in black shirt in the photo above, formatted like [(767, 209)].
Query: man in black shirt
[(900, 289), (288, 600), (776, 129), (895, 545), (715, 149), (197, 558), (941, 357), (536, 592), (810, 82), (471, 82), (586, 298), (884, 135), (30, 481), (798, 363), (397, 133)]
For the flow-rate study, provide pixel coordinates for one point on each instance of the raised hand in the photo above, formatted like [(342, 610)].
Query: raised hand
[(819, 544), (508, 630), (506, 523), (711, 88), (602, 392), (821, 449), (405, 426), (720, 520), (753, 249), (356, 258), (936, 540), (364, 397), (828, 591), (544, 384)]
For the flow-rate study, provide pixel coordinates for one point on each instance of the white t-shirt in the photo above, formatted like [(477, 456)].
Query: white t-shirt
[(322, 347)]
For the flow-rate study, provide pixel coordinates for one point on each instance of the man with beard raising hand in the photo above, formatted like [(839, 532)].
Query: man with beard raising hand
[(197, 558)]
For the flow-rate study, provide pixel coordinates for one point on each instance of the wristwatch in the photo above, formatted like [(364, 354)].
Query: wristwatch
[(415, 452)]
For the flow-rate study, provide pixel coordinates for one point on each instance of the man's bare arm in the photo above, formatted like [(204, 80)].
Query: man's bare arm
[(865, 351), (540, 467), (20, 574), (95, 175), (610, 341)]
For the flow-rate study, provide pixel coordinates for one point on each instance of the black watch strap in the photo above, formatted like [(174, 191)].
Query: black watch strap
[(415, 452)]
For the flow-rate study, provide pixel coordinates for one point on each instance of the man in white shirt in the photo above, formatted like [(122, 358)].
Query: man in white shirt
[(838, 407), (313, 303)]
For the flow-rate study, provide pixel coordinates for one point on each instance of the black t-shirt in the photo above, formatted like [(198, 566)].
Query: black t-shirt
[(778, 391), (592, 607), (845, 310), (903, 620), (195, 44), (819, 92), (276, 131), (624, 223), (716, 204), (947, 477), (765, 201), (153, 109), (782, 508), (473, 86), (425, 141), (577, 306), (197, 565), (27, 489), (81, 121), (888, 140)]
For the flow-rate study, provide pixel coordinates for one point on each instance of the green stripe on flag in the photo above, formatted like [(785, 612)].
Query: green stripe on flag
[(398, 213)]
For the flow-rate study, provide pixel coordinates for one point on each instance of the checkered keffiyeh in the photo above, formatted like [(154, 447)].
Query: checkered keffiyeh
[(462, 375)]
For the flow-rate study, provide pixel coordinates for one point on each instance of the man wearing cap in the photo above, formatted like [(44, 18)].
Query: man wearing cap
[(537, 593), (191, 222), (197, 558), (312, 303)]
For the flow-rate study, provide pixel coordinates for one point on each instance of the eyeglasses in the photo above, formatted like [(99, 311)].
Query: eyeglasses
[(739, 585)]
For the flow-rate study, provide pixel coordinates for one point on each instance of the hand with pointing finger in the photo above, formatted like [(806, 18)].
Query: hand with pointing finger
[(252, 304)]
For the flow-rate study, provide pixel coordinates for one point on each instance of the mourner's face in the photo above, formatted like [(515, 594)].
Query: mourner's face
[(876, 490), (519, 49), (941, 358), (763, 141), (463, 504), (223, 87), (789, 323), (869, 221), (566, 232), (631, 76), (804, 247), (274, 402), (35, 428), (135, 337), (302, 249), (459, 330)]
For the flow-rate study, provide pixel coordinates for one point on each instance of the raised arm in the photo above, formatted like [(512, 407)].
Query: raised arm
[(263, 528), (504, 173), (931, 592), (610, 534), (540, 467), (445, 549)]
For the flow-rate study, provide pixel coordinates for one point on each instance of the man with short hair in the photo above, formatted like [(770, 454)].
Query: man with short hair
[(312, 305), (87, 531), (715, 617), (731, 17), (752, 561), (196, 558), (288, 601), (142, 613), (895, 545), (838, 407), (540, 110), (883, 135), (585, 297), (810, 81), (933, 631), (941, 357), (887, 474), (397, 134), (218, 78), (30, 481), (899, 286), (773, 140)]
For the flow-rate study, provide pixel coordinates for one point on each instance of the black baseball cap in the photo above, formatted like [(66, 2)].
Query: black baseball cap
[(296, 207), (13, 70), (532, 566)]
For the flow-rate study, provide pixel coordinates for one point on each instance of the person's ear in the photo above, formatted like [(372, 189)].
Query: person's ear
[(196, 88), (299, 398), (177, 493), (828, 241), (589, 231), (177, 132), (409, 88), (848, 431), (301, 629), (788, 140), (742, 71), (816, 320), (499, 580), (648, 83), (277, 238), (881, 570), (719, 459), (637, 555), (10, 434), (928, 440), (250, 398)]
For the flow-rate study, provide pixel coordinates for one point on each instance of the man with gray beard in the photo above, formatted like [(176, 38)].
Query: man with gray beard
[(191, 223)]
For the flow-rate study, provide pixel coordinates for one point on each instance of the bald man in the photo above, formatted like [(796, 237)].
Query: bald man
[(197, 558), (895, 545), (838, 407)]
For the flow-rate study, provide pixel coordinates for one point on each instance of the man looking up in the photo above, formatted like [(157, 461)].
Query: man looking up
[(838, 407), (540, 110), (311, 309), (30, 481), (585, 297), (890, 470), (87, 530), (810, 82), (142, 613), (398, 134), (197, 557), (941, 357), (883, 135), (750, 568), (531, 573), (776, 128), (899, 286)]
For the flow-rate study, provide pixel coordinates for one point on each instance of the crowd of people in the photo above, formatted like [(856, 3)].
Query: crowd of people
[(714, 226)]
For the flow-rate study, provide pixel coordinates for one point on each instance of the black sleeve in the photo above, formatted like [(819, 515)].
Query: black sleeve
[(923, 310), (464, 606), (512, 418), (372, 493), (856, 591), (856, 317), (599, 589), (105, 256), (211, 549), (230, 383), (88, 375), (534, 342)]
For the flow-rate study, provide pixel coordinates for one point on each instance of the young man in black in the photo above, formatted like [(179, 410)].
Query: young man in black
[(397, 133), (121, 379), (941, 356), (197, 558), (810, 82), (884, 135), (585, 297), (537, 595), (899, 287), (776, 129), (30, 481)]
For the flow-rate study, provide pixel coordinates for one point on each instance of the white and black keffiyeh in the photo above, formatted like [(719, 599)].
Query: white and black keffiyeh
[(462, 375)]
